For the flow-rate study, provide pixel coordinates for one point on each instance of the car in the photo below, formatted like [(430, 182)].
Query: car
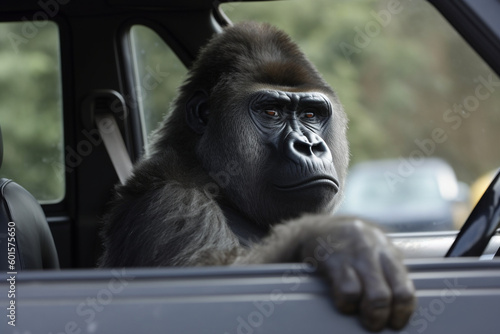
[(402, 198), (417, 79)]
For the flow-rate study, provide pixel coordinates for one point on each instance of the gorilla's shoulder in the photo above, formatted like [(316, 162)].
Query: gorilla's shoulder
[(160, 170)]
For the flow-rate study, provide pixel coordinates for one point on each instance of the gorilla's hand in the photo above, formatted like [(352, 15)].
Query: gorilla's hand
[(365, 270)]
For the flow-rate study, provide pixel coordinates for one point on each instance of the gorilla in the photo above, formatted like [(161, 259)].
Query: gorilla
[(248, 168)]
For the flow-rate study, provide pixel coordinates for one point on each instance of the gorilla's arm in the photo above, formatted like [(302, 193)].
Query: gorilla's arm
[(364, 269)]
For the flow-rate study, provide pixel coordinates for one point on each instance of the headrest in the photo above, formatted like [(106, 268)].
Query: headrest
[(1, 148)]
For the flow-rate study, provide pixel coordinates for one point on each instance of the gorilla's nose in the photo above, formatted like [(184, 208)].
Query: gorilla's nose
[(299, 147)]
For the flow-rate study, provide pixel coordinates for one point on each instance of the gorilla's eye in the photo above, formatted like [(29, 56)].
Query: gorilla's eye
[(272, 113), (309, 114)]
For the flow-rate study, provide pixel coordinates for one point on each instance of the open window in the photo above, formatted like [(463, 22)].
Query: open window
[(31, 108)]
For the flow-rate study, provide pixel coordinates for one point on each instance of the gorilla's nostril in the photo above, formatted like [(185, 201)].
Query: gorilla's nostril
[(302, 148), (319, 149)]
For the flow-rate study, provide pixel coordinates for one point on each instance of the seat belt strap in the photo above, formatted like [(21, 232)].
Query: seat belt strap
[(115, 146)]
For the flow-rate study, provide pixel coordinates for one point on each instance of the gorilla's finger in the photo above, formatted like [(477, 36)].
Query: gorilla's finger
[(376, 303), (346, 287), (403, 291)]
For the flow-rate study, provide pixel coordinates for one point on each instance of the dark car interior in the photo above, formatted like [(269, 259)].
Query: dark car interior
[(97, 80)]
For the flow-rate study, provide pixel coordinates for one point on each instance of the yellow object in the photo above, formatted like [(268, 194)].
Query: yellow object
[(478, 188)]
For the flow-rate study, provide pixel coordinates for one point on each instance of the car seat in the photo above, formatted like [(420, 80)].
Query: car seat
[(25, 238)]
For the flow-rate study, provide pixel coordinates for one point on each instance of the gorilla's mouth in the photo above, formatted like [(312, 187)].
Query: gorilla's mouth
[(311, 182)]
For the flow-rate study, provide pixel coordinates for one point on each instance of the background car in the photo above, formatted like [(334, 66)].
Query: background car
[(403, 197)]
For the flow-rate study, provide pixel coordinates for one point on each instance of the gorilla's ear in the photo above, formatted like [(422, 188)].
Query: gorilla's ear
[(197, 111)]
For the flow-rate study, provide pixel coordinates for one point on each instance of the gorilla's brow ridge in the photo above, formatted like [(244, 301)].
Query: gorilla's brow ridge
[(292, 100)]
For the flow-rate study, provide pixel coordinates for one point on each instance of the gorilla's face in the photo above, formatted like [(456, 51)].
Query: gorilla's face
[(281, 142), (291, 126)]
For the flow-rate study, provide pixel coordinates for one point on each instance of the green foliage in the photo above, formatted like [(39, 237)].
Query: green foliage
[(31, 108)]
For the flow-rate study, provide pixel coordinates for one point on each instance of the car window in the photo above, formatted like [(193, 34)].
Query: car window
[(414, 91), (31, 108), (158, 73)]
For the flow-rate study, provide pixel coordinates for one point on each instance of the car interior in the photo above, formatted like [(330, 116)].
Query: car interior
[(66, 64)]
